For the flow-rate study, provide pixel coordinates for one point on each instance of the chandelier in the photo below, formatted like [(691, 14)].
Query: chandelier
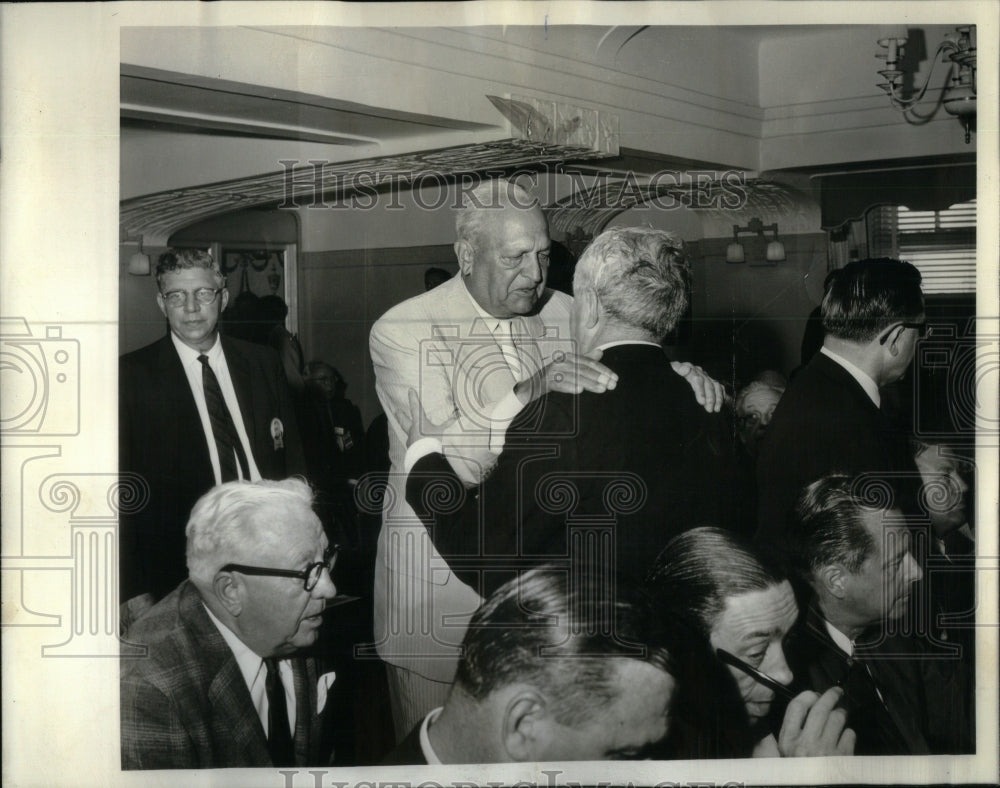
[(958, 96)]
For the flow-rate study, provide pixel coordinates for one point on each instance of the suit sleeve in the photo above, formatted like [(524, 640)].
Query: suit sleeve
[(448, 511), (152, 735)]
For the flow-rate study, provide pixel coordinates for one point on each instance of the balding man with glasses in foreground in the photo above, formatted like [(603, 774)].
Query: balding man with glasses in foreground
[(220, 684), (196, 409)]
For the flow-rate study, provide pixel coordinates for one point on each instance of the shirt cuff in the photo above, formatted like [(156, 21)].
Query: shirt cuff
[(420, 448), (501, 417)]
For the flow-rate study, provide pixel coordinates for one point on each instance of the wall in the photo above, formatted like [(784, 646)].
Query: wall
[(748, 318)]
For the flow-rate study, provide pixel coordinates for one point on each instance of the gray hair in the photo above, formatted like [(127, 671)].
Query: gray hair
[(491, 194), (174, 260), (640, 276), (233, 521)]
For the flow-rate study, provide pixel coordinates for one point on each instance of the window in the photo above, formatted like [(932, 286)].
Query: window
[(941, 244)]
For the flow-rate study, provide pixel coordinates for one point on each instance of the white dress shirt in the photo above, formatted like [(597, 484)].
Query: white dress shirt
[(194, 371), (255, 674)]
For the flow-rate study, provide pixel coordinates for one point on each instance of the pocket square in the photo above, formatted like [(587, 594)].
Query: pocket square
[(322, 688)]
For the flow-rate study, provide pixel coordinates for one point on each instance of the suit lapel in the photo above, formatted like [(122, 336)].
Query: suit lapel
[(235, 720), (242, 377), (173, 397)]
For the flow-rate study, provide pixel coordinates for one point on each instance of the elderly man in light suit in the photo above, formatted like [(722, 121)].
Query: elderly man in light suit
[(476, 349)]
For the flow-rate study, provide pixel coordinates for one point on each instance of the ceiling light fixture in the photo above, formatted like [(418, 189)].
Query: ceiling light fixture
[(958, 97)]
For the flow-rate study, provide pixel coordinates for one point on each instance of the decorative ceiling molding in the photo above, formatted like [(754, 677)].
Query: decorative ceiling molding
[(155, 217), (587, 212)]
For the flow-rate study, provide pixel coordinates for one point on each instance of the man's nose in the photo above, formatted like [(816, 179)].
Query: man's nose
[(914, 573), (325, 589), (191, 303), (779, 669), (532, 268)]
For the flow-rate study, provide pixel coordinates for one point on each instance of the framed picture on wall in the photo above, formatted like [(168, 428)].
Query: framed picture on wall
[(262, 284)]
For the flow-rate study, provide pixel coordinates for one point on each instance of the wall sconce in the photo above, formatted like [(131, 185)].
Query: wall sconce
[(775, 251), (138, 264), (959, 98)]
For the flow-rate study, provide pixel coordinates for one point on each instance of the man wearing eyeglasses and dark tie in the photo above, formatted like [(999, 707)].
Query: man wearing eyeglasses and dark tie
[(221, 684), (195, 409), (831, 417)]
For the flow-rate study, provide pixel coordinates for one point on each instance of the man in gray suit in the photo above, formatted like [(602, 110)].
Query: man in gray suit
[(221, 685)]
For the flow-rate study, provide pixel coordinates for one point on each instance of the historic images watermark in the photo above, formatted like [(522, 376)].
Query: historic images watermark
[(310, 185), (321, 778)]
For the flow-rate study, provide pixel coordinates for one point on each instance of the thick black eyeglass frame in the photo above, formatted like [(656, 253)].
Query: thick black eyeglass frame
[(921, 329), (317, 567)]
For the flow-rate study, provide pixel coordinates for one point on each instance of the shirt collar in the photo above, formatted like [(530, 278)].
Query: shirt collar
[(839, 639), (425, 741), (608, 345), (188, 354), (863, 378), (248, 661)]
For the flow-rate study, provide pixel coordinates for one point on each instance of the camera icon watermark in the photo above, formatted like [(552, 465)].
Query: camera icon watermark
[(40, 381)]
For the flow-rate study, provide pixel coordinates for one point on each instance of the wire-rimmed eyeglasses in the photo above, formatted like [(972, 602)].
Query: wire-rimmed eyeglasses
[(309, 576), (203, 295)]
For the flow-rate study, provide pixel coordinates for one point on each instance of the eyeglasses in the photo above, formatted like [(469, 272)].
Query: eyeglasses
[(309, 576), (757, 675), (203, 295), (921, 330)]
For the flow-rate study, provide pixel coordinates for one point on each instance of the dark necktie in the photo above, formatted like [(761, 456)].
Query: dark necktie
[(226, 439), (279, 737)]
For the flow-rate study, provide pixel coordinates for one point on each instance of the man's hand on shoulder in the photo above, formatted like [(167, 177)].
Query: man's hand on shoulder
[(709, 393), (568, 373)]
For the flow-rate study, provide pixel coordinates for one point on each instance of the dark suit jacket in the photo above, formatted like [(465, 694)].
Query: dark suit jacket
[(825, 422), (185, 704), (161, 440), (408, 752), (924, 709), (644, 459)]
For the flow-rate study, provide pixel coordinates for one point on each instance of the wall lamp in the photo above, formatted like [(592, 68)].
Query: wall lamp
[(958, 97), (775, 252), (138, 264)]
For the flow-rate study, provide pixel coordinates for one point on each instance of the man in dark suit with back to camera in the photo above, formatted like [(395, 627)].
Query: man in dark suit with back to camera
[(829, 419), (644, 458), (195, 409), (220, 684)]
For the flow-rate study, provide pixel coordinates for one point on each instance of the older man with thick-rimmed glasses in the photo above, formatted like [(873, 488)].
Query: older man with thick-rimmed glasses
[(221, 684)]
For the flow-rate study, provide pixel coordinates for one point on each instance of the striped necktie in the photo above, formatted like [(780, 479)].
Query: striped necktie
[(227, 441)]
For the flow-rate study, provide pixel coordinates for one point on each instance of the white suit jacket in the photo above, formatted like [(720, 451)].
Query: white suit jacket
[(438, 345)]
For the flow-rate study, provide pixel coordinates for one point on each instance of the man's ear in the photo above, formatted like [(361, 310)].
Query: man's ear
[(525, 724), (225, 298), (591, 306), (161, 303), (466, 256), (832, 579), (893, 342), (229, 591)]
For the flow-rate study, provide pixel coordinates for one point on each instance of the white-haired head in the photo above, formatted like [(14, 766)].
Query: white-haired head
[(234, 522)]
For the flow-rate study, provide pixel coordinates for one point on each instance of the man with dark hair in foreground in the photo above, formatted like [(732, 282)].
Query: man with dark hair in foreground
[(553, 668)]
